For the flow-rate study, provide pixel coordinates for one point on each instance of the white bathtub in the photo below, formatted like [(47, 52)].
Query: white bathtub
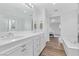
[(71, 49)]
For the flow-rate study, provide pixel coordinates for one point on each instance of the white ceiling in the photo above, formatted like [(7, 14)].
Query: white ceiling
[(58, 9), (61, 7)]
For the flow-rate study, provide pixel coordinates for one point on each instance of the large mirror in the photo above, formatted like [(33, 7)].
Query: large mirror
[(15, 17)]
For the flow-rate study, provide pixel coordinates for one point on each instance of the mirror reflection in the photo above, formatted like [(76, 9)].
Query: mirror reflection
[(15, 17)]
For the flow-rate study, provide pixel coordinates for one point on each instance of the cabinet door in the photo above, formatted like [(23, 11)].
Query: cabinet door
[(42, 42), (14, 52), (36, 46), (28, 49), (24, 50)]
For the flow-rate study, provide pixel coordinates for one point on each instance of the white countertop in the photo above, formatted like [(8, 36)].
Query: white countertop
[(18, 37)]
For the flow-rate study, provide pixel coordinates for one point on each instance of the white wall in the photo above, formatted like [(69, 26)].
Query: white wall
[(69, 24)]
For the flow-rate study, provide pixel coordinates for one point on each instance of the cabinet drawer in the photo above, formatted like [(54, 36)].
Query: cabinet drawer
[(28, 49), (23, 50), (14, 52)]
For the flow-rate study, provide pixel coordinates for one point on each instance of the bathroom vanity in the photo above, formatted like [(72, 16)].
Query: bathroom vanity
[(23, 44), (13, 22)]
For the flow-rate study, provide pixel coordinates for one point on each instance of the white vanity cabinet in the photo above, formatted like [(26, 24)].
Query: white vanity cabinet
[(26, 49), (42, 42), (14, 52), (36, 47), (27, 46), (39, 44)]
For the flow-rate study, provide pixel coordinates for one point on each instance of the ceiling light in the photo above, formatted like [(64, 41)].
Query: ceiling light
[(29, 5)]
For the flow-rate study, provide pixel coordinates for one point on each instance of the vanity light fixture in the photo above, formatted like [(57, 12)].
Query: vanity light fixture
[(29, 5)]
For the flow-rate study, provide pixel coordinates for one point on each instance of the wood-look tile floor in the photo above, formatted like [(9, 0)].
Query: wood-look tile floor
[(53, 48)]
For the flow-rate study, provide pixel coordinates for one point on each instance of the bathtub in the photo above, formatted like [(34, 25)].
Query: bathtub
[(71, 49)]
